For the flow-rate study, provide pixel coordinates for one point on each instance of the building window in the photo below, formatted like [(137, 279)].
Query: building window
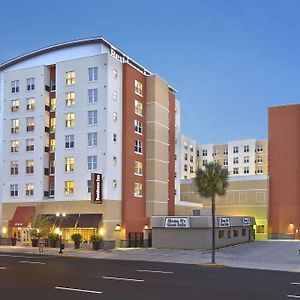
[(52, 167), (70, 78), (70, 120), (53, 104), (191, 148), (260, 148), (14, 190), (92, 162), (243, 232), (15, 105), (92, 117), (30, 103), (30, 124), (138, 127), (204, 162), (69, 164), (92, 139), (115, 73), (15, 126), (259, 159), (204, 152), (114, 183), (235, 149), (235, 160), (115, 95), (52, 85), (259, 170), (246, 148), (89, 186), (30, 145), (69, 141), (225, 162), (69, 187), (225, 152), (70, 99), (185, 145), (228, 233), (138, 168), (93, 74), (235, 171), (14, 167), (114, 138), (191, 158), (138, 107), (191, 169), (246, 170), (52, 189), (93, 96), (235, 232), (246, 159), (115, 116), (30, 84), (185, 156), (52, 145), (15, 86), (221, 234), (52, 124), (29, 166), (138, 88), (138, 189), (138, 146), (260, 228), (14, 146), (29, 189), (114, 160), (185, 168)]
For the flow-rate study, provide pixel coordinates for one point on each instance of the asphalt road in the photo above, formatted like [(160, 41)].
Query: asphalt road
[(30, 277)]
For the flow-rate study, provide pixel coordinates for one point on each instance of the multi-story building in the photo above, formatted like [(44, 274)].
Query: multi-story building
[(78, 108)]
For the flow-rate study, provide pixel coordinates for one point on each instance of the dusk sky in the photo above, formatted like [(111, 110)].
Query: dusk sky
[(229, 59)]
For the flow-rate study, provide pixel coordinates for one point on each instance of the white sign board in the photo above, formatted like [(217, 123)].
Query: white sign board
[(177, 222), (224, 222), (246, 222)]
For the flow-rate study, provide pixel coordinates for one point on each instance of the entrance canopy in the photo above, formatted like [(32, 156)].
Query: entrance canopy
[(89, 220), (22, 216)]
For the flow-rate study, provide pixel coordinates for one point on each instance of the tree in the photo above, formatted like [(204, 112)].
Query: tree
[(212, 181)]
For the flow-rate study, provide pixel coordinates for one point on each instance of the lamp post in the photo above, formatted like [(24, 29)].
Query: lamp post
[(61, 245)]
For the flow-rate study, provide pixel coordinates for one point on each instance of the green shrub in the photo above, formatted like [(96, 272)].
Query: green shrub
[(76, 237), (53, 237), (95, 238)]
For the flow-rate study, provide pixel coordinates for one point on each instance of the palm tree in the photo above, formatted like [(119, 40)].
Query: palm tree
[(211, 181)]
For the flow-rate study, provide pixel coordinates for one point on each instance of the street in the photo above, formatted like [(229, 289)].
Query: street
[(47, 277)]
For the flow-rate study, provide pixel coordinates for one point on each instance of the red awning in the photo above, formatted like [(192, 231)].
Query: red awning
[(23, 215)]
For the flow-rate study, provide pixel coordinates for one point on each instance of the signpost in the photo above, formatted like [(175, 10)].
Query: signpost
[(96, 188), (246, 222), (177, 222), (224, 222)]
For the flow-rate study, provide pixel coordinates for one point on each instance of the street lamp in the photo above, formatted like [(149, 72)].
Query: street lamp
[(61, 245)]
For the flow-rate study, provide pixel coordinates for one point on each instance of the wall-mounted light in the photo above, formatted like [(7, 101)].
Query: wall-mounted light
[(146, 227), (101, 231), (4, 230), (64, 214), (118, 227), (57, 214)]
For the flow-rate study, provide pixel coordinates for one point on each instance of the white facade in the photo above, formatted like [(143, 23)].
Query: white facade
[(188, 157)]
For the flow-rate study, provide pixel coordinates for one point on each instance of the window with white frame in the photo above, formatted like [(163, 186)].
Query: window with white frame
[(70, 120), (204, 162), (30, 104), (138, 168), (30, 145), (259, 170), (204, 152), (92, 139), (259, 159), (52, 85), (138, 189), (235, 149), (138, 107), (14, 146), (30, 84), (14, 167), (246, 170), (138, 88), (115, 95), (52, 189), (52, 167), (114, 138), (29, 189), (115, 116), (185, 168), (92, 117), (29, 166), (15, 88), (185, 145), (114, 160), (53, 104), (191, 158), (225, 152), (191, 169), (246, 159), (260, 148), (185, 156), (70, 78), (235, 171), (114, 183), (70, 99), (92, 162), (138, 127), (14, 190), (93, 74), (93, 96), (191, 148), (246, 148), (52, 124), (30, 124), (138, 146), (15, 105), (52, 145), (15, 126), (235, 160), (115, 74), (225, 162), (89, 186), (69, 164), (69, 187), (69, 141)]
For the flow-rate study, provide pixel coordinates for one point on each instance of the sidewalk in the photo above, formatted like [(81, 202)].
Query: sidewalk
[(267, 255)]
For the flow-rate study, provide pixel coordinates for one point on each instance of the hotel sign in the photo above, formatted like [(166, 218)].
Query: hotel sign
[(96, 188), (177, 222), (246, 222), (118, 56), (224, 222)]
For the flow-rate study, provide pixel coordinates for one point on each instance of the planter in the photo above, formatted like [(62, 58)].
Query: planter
[(77, 244), (96, 245), (13, 241), (34, 242)]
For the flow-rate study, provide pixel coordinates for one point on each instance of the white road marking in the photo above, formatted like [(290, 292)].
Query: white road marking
[(24, 256), (2, 268), (154, 271), (293, 296), (77, 290), (31, 262), (295, 283), (121, 278)]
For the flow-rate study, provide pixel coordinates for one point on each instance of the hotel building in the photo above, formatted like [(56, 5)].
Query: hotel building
[(78, 108)]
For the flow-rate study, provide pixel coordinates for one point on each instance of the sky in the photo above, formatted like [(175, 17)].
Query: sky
[(229, 60)]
